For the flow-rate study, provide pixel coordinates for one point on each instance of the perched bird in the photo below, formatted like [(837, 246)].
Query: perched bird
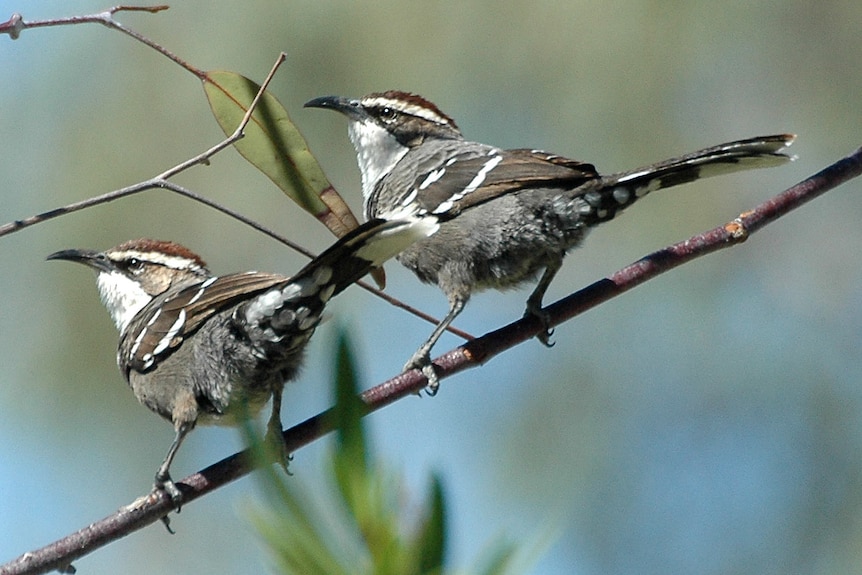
[(506, 215), (203, 349)]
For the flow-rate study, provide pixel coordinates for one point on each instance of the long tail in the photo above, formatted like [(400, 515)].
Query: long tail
[(284, 316), (367, 247), (616, 192)]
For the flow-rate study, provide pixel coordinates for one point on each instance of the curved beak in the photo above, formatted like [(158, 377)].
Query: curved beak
[(350, 107), (90, 258)]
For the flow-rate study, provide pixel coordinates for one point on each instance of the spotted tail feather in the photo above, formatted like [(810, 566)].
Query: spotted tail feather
[(616, 192), (292, 308)]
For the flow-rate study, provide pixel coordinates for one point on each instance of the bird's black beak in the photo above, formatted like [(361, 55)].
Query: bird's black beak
[(89, 258), (350, 107)]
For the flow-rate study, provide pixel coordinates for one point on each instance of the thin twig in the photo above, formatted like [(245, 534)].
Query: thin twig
[(150, 509), (16, 24), (414, 311), (161, 180)]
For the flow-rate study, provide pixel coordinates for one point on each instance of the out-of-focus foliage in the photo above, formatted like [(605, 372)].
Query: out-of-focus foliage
[(369, 524)]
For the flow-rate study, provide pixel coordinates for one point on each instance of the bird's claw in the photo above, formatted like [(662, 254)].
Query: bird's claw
[(166, 484), (536, 311), (423, 363), (281, 455)]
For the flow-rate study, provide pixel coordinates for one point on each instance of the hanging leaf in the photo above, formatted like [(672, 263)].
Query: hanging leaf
[(273, 144)]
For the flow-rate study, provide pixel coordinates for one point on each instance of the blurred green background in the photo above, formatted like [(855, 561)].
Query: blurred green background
[(707, 422)]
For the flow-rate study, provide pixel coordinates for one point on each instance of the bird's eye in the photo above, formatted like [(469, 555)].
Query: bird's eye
[(388, 114), (135, 265)]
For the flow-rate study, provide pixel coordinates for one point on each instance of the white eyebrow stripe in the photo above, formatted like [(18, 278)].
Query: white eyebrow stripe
[(406, 108), (171, 261)]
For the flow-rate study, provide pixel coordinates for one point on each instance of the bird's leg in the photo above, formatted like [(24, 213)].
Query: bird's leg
[(422, 358), (163, 479), (274, 432), (534, 302)]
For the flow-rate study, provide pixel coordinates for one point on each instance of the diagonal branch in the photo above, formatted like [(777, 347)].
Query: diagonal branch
[(151, 508)]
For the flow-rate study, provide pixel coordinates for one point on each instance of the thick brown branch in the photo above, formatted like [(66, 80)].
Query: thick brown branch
[(60, 554)]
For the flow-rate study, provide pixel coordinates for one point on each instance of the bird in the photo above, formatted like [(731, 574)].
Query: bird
[(506, 215), (198, 348)]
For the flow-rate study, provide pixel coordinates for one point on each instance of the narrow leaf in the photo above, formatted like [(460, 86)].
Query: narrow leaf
[(349, 409), (351, 453), (431, 538), (274, 145)]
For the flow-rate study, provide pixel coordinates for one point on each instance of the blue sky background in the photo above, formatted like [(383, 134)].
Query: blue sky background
[(707, 422)]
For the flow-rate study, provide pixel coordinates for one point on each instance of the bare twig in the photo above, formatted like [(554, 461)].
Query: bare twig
[(16, 24), (414, 311), (161, 180), (60, 554)]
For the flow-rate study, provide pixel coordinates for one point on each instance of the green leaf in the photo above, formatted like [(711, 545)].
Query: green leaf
[(349, 409), (373, 529), (293, 532), (350, 459), (430, 540), (273, 144)]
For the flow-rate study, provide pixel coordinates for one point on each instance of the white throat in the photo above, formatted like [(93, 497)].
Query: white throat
[(123, 297), (377, 152)]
